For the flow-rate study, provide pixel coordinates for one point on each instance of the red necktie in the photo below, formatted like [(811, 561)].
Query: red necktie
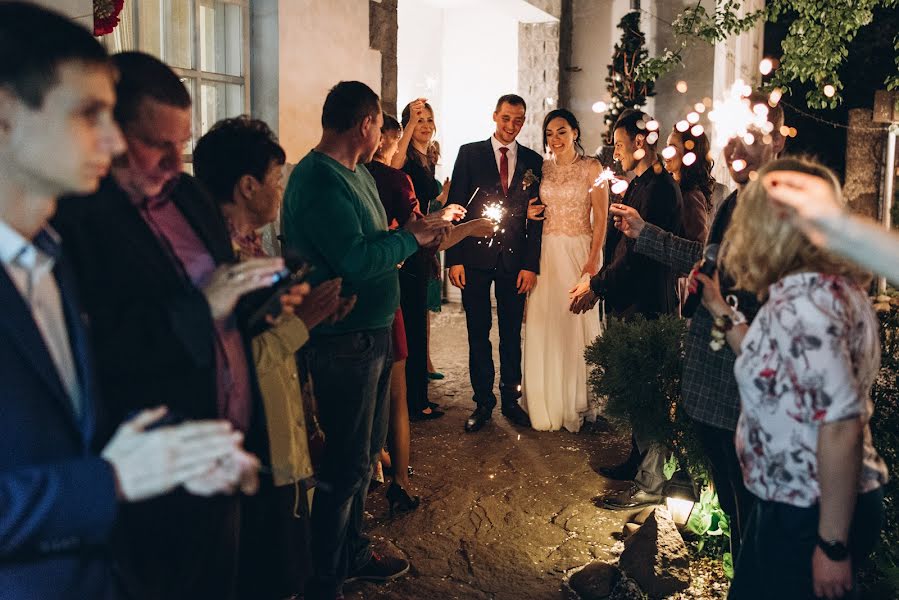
[(504, 170)]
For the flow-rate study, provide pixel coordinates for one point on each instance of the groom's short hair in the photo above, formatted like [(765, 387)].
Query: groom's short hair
[(513, 99), (634, 123)]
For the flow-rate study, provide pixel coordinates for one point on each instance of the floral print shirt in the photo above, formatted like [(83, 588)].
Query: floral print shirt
[(809, 358)]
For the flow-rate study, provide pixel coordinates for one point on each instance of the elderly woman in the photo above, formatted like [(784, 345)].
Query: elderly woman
[(804, 370)]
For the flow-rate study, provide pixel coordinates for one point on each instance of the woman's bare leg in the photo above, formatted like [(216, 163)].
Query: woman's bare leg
[(399, 438)]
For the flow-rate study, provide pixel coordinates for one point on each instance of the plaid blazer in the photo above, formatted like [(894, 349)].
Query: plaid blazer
[(708, 387)]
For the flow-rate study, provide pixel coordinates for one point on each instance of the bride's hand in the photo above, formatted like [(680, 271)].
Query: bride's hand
[(591, 268)]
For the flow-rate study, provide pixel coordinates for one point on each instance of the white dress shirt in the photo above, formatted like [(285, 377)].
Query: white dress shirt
[(32, 272), (511, 155)]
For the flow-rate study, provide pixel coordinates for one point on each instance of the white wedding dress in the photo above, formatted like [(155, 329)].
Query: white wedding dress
[(554, 382)]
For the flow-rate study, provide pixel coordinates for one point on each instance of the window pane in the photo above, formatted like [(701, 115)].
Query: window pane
[(221, 34), (219, 101), (165, 30), (178, 27)]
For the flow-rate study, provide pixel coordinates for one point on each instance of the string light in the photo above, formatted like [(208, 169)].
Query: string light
[(653, 137), (693, 118), (766, 66), (775, 96), (699, 107), (697, 130), (829, 90), (682, 126), (682, 86), (639, 153), (600, 107), (689, 159), (653, 125), (738, 165), (668, 152)]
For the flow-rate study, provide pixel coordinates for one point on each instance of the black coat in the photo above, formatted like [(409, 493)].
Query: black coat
[(154, 340), (630, 282), (518, 247)]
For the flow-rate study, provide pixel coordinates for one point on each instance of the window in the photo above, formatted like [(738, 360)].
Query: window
[(206, 42)]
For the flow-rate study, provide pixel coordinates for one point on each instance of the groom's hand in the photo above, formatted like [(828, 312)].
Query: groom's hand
[(526, 281), (457, 276)]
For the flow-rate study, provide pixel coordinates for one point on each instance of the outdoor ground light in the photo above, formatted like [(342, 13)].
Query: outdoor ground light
[(680, 497)]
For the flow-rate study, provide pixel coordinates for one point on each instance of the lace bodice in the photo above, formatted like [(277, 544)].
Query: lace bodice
[(565, 192)]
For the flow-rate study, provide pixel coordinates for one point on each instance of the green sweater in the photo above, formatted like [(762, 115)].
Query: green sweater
[(334, 218)]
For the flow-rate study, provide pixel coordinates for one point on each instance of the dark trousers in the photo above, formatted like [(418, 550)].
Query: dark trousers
[(734, 498), (414, 303), (479, 317), (351, 377), (776, 560)]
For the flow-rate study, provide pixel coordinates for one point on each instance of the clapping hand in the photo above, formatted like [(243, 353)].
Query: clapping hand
[(320, 304), (149, 462)]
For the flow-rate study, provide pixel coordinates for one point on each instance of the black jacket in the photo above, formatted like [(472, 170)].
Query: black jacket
[(630, 282), (518, 246)]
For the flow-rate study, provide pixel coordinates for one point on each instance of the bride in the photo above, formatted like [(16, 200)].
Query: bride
[(554, 385)]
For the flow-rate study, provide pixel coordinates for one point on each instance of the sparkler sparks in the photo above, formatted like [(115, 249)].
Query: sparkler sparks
[(495, 212), (617, 186), (734, 117)]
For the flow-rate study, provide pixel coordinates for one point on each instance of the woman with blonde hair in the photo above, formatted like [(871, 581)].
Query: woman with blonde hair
[(804, 370)]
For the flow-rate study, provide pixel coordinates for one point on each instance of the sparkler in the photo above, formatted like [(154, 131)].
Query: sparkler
[(476, 190), (617, 186), (495, 212), (734, 117)]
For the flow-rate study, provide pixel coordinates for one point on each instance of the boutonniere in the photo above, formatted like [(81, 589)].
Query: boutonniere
[(529, 179)]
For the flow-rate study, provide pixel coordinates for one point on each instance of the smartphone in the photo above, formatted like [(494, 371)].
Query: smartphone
[(281, 282), (707, 268)]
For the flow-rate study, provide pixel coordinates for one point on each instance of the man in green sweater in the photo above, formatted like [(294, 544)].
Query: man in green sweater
[(334, 219)]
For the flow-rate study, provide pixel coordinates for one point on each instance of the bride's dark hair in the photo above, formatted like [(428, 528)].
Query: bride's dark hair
[(569, 117)]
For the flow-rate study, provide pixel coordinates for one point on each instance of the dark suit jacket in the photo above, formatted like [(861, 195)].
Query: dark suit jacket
[(518, 248), (631, 282), (154, 337), (57, 498)]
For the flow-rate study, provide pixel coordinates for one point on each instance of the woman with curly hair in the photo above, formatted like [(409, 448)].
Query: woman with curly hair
[(804, 370)]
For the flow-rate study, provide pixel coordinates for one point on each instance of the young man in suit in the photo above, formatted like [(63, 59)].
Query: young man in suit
[(159, 282), (500, 176), (59, 499)]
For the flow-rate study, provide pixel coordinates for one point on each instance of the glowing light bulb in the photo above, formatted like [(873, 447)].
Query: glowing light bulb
[(829, 90), (682, 126), (738, 165), (689, 158), (600, 107), (766, 66), (668, 152), (748, 139), (775, 96), (697, 130), (619, 187), (653, 137), (653, 125), (693, 118), (682, 87), (699, 107)]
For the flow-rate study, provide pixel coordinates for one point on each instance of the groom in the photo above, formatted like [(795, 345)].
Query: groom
[(498, 176)]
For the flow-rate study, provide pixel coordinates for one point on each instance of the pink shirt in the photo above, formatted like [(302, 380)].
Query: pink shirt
[(191, 257)]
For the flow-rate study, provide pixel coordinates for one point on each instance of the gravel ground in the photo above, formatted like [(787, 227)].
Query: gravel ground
[(506, 512)]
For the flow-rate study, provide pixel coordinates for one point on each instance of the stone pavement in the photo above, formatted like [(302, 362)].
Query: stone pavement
[(505, 512)]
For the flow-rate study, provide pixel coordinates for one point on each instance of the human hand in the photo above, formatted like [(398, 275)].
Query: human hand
[(229, 282), (457, 272), (626, 219), (590, 268), (428, 231), (294, 297), (453, 212), (711, 291), (482, 227), (831, 579), (322, 302), (536, 212), (582, 298), (238, 470), (151, 463), (344, 307), (808, 200), (526, 281), (444, 193)]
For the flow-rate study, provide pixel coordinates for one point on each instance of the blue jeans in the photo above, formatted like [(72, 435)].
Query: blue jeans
[(776, 556), (351, 378)]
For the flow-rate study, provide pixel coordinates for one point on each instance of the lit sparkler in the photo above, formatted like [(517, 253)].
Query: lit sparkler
[(734, 117), (616, 185), (495, 212)]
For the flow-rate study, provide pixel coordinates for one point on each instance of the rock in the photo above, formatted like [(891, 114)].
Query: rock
[(627, 589), (629, 529), (656, 556), (595, 581)]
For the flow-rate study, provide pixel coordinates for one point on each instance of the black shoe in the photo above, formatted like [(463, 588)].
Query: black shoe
[(633, 497), (399, 499), (477, 419), (380, 568), (423, 416), (516, 414)]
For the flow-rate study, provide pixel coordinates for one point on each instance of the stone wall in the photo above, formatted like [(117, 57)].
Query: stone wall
[(864, 159), (538, 77), (382, 24)]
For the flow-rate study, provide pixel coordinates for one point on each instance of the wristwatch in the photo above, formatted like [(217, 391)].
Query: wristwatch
[(834, 550)]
